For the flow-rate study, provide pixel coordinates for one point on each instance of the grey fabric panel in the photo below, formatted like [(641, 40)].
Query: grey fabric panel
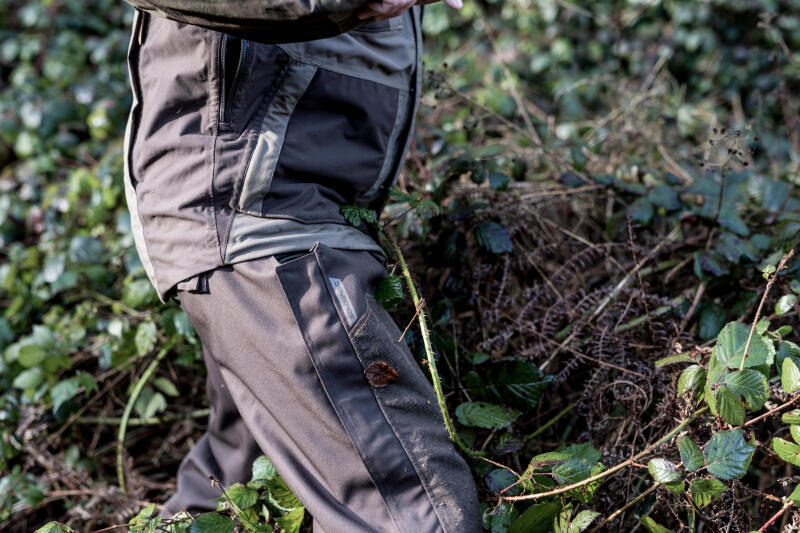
[(393, 150), (270, 140), (384, 57), (130, 192), (352, 398), (247, 325), (226, 450), (404, 403), (253, 237)]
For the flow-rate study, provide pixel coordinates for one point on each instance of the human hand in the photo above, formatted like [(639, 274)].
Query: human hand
[(385, 9)]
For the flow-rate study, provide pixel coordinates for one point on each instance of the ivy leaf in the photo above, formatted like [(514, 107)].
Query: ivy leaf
[(732, 341), (29, 379), (692, 378), (212, 523), (728, 455), (691, 454), (498, 181), (785, 304), (485, 415), (139, 294), (389, 292), (31, 355), (355, 214), (750, 385), (729, 407), (493, 237), (790, 375), (663, 471), (787, 451), (705, 491)]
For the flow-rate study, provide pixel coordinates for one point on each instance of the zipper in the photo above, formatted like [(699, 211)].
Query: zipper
[(229, 85)]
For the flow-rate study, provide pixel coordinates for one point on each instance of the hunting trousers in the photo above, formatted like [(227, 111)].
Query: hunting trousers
[(305, 366)]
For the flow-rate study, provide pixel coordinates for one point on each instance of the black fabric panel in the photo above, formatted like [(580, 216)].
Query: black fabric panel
[(338, 134)]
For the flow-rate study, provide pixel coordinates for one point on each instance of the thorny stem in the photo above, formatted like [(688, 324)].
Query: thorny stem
[(772, 278), (777, 515), (426, 340), (614, 469), (123, 425)]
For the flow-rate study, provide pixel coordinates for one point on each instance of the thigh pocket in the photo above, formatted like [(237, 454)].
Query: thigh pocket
[(377, 390)]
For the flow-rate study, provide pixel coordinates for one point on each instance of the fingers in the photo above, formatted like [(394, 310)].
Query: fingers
[(455, 4)]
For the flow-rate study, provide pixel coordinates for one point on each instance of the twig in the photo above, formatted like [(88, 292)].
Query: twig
[(771, 412), (151, 421), (614, 469), (625, 507), (781, 266), (777, 515), (123, 425), (549, 423), (416, 312)]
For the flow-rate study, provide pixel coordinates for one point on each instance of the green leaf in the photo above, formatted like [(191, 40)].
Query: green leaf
[(281, 495), (678, 358), (572, 471), (538, 518), (55, 527), (663, 471), (710, 319), (241, 496), (212, 523), (654, 527), (355, 215), (291, 521), (790, 375), (787, 451), (792, 417), (498, 181), (691, 454), (31, 355), (795, 431), (166, 386), (493, 237), (29, 379), (63, 391), (664, 196), (582, 521), (498, 519), (795, 495), (731, 343), (139, 294), (676, 487), (729, 407), (389, 292), (146, 336), (750, 385), (705, 491), (641, 211), (263, 469), (520, 385), (728, 455), (785, 304), (485, 415), (692, 378)]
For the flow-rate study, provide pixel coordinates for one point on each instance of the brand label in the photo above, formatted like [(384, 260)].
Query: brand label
[(348, 310)]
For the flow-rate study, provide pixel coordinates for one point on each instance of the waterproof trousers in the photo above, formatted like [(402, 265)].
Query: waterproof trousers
[(305, 366)]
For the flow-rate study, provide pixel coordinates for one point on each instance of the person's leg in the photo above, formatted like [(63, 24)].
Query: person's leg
[(331, 395), (226, 451)]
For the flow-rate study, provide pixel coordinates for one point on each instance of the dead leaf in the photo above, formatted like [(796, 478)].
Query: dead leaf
[(380, 374)]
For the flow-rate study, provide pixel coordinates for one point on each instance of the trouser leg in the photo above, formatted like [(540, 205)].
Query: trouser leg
[(226, 451), (339, 406)]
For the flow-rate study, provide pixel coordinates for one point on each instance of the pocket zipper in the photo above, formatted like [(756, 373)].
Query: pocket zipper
[(224, 92)]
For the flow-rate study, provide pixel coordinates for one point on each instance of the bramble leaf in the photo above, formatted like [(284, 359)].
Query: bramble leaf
[(691, 454), (788, 451), (729, 407), (485, 415), (728, 455), (663, 471), (705, 491), (691, 379)]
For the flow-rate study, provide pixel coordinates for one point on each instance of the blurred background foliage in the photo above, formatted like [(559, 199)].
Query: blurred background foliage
[(623, 116)]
